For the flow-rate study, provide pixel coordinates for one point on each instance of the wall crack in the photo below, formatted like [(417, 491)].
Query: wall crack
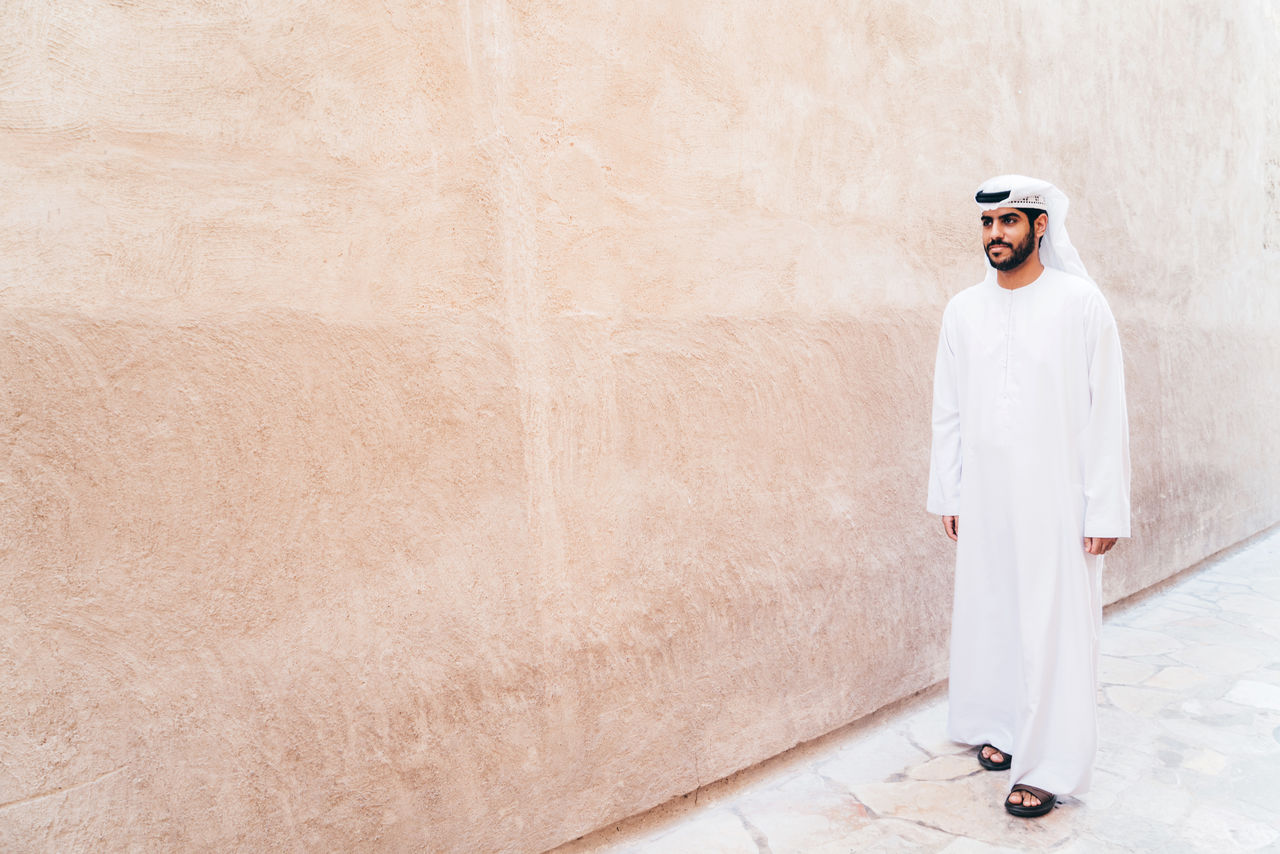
[(61, 791)]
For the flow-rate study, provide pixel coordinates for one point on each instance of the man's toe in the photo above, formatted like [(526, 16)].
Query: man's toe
[(1022, 798)]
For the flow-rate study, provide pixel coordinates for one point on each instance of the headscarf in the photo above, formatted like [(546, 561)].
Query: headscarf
[(1019, 191)]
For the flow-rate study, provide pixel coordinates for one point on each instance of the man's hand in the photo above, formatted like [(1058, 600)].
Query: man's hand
[(1098, 545), (951, 524)]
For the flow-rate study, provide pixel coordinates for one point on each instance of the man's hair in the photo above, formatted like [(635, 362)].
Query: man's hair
[(1032, 214)]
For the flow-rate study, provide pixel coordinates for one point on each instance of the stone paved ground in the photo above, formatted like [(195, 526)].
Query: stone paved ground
[(1189, 760)]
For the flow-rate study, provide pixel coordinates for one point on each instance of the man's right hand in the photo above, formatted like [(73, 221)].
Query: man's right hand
[(951, 524)]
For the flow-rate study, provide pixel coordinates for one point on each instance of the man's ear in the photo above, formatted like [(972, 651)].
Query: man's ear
[(1042, 224)]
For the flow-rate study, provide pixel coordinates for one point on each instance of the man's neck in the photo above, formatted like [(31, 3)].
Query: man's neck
[(1022, 275)]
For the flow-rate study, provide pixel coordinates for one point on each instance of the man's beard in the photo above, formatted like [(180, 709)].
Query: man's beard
[(1017, 254)]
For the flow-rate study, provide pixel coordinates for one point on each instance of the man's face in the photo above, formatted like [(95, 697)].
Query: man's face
[(1007, 237)]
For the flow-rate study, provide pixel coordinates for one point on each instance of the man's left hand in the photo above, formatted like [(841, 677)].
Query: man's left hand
[(1098, 545)]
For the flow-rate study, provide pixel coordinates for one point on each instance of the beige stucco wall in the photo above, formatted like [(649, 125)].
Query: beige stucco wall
[(453, 427)]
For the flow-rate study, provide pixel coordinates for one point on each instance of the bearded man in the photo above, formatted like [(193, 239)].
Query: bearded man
[(1031, 454)]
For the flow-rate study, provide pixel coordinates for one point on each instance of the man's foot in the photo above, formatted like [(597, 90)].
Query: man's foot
[(992, 759), (1028, 801)]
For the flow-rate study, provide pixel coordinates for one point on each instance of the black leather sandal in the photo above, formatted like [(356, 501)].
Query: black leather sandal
[(994, 766), (1047, 800)]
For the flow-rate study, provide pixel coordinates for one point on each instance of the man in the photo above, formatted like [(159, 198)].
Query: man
[(1030, 473)]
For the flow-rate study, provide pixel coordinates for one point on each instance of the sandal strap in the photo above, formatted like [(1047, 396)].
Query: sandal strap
[(1032, 790)]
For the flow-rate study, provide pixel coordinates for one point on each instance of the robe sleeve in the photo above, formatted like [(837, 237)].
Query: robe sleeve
[(944, 461), (1106, 435)]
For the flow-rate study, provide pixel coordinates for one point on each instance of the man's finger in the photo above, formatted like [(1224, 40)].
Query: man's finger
[(1099, 545)]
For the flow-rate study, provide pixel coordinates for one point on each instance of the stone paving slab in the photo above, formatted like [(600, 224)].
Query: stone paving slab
[(1189, 753)]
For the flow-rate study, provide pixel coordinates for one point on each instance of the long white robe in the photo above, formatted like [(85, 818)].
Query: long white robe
[(1031, 451)]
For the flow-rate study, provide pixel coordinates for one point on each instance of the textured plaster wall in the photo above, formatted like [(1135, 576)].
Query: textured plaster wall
[(456, 426)]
